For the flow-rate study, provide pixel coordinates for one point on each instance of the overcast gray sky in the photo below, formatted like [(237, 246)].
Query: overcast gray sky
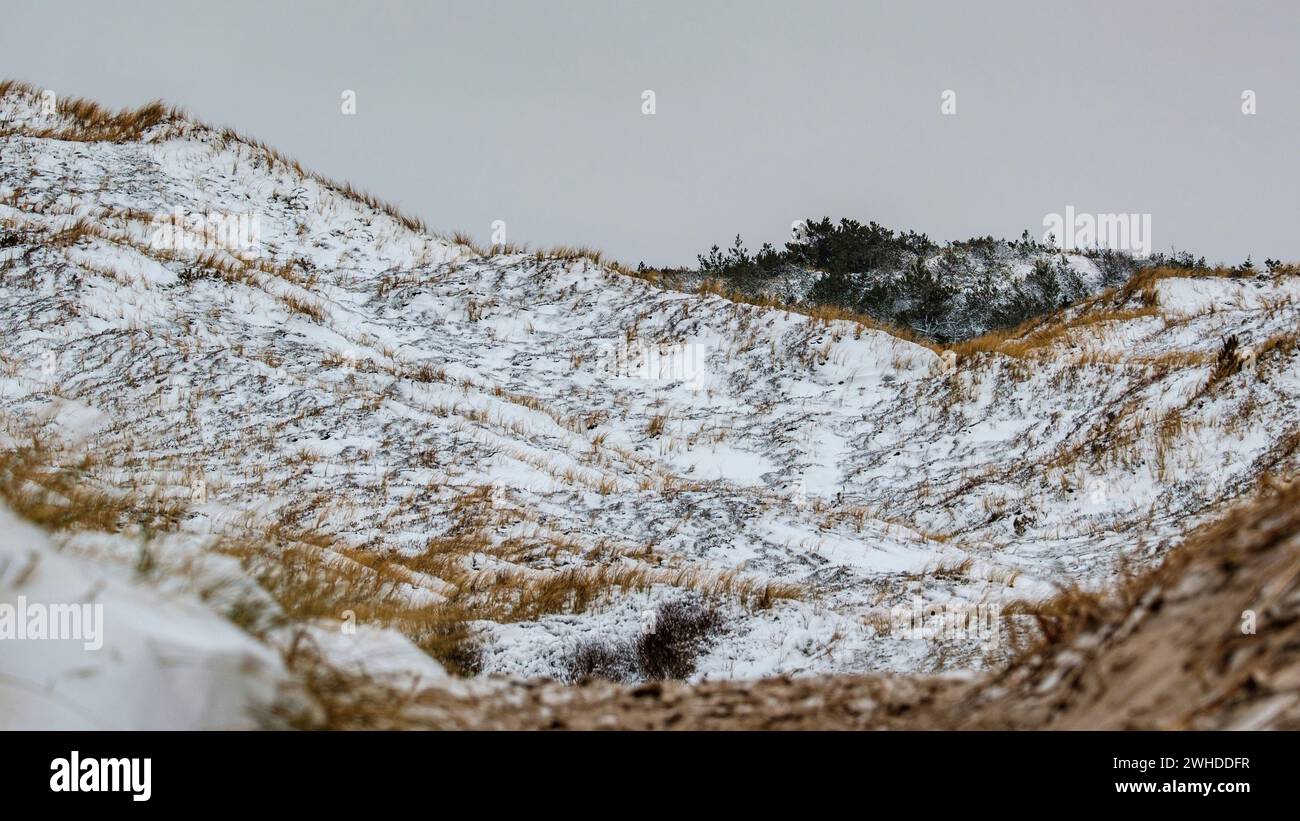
[(766, 112)]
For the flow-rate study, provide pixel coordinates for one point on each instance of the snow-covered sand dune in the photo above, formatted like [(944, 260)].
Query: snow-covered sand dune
[(360, 430)]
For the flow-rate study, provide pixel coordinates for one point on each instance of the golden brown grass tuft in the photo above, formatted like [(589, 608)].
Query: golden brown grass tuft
[(91, 122), (53, 489)]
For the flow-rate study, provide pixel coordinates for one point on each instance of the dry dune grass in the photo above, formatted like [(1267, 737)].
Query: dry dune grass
[(823, 314), (1207, 640), (311, 573), (54, 488), (1038, 335), (1142, 284), (323, 581), (91, 122)]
